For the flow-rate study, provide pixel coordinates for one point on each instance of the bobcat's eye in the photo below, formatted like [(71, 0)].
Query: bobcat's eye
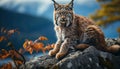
[(69, 9)]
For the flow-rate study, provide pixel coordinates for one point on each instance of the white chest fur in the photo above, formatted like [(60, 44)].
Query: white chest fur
[(63, 33)]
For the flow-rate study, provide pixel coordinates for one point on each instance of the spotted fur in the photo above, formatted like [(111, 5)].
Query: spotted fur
[(75, 31)]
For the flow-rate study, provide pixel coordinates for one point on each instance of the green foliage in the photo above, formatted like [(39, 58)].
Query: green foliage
[(108, 13), (118, 30)]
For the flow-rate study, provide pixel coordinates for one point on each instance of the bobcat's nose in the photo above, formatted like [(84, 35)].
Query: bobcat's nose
[(63, 18)]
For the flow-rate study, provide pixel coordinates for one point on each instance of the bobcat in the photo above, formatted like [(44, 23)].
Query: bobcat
[(76, 31)]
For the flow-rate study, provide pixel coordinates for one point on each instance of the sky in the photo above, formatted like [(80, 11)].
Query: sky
[(45, 8), (38, 6)]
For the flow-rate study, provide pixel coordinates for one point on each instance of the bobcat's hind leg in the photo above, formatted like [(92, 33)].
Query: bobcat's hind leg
[(56, 49), (82, 46), (95, 37), (113, 49)]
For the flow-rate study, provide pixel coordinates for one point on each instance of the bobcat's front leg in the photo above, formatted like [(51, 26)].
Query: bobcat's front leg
[(64, 47), (56, 48), (58, 43)]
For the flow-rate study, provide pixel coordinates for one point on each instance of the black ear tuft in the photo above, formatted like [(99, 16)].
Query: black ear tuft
[(54, 1), (56, 5), (71, 4)]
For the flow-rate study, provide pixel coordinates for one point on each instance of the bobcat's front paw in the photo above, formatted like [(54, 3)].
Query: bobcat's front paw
[(60, 55), (52, 52)]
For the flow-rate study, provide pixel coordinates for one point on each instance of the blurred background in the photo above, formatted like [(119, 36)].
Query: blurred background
[(34, 18)]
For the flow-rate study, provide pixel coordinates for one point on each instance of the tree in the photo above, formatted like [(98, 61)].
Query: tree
[(108, 13), (118, 30)]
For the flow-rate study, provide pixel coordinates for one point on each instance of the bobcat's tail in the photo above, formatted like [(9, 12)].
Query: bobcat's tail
[(113, 49), (96, 37)]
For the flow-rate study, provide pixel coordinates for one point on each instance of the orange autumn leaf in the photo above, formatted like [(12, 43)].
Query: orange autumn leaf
[(7, 66), (48, 47), (28, 46), (30, 50), (12, 31), (53, 45), (18, 62), (4, 54), (13, 53), (43, 38), (2, 38), (27, 43), (38, 46), (31, 46)]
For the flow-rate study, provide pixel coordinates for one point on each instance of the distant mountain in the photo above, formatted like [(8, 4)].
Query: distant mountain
[(30, 27), (29, 7), (45, 7)]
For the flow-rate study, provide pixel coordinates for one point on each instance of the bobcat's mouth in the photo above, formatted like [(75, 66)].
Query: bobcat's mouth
[(62, 22)]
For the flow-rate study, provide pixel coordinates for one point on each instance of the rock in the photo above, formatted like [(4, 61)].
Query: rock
[(111, 41), (90, 58)]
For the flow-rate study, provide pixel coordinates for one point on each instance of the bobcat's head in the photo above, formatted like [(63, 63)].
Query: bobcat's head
[(63, 14)]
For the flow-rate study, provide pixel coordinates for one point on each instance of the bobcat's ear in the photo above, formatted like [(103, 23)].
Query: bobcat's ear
[(56, 5), (71, 4)]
